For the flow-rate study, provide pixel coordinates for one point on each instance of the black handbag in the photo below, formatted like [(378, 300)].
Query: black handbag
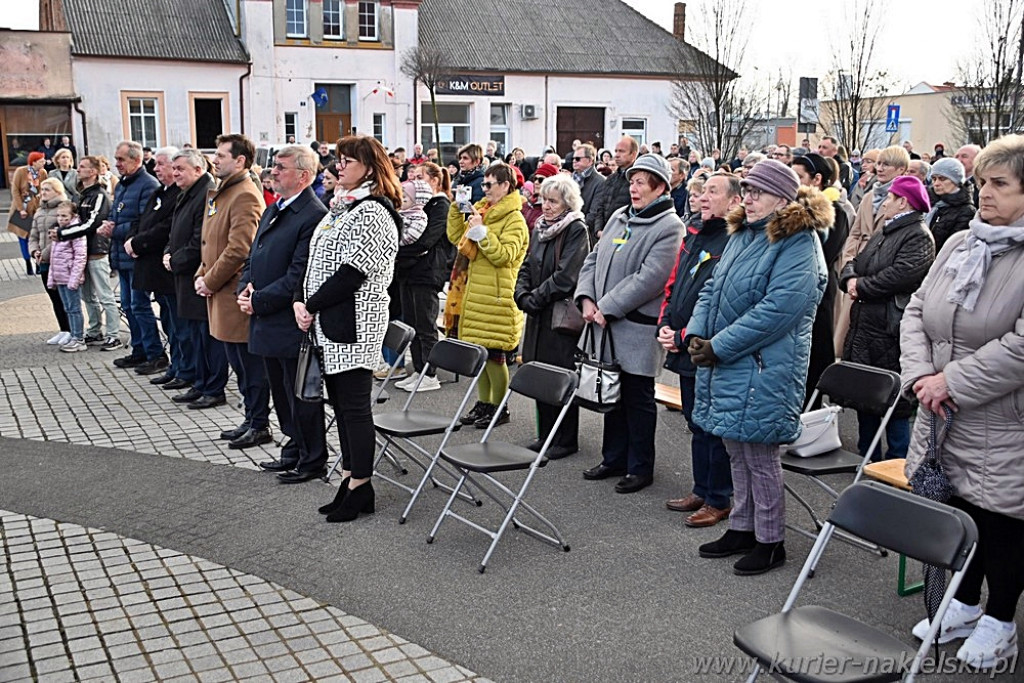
[(309, 377), (600, 388), (930, 479), (17, 221)]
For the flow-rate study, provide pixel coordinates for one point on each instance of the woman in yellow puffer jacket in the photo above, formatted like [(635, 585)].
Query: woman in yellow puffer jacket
[(494, 238)]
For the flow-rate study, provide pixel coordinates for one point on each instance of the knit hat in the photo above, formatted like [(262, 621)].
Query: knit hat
[(774, 177), (520, 179), (546, 171), (33, 157), (911, 189), (655, 164), (419, 190), (708, 162), (951, 168)]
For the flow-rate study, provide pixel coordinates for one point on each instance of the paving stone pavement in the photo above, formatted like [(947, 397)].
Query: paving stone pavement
[(13, 269), (84, 604)]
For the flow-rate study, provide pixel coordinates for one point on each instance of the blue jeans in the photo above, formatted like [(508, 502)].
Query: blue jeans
[(99, 299), (712, 472), (72, 300), (141, 321), (897, 435)]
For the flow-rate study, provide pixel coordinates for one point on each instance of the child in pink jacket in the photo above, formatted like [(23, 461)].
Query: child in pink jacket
[(67, 273)]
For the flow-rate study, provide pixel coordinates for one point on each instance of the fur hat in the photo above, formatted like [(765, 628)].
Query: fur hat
[(951, 168), (774, 177), (654, 164), (546, 171), (911, 189)]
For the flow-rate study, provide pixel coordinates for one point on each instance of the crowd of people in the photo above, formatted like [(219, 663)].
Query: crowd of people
[(745, 277)]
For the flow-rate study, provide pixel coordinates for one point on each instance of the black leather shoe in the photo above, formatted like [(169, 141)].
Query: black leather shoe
[(129, 361), (278, 466), (162, 379), (189, 396), (207, 402), (559, 452), (252, 437), (763, 558), (296, 477), (485, 421), (732, 543), (631, 483), (475, 413), (602, 472), (175, 384), (151, 367), (232, 434)]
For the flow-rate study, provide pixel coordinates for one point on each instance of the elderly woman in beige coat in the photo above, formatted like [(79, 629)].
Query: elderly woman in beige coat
[(962, 339)]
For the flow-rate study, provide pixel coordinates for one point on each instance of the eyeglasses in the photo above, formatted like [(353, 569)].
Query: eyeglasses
[(579, 158), (752, 192), (344, 161)]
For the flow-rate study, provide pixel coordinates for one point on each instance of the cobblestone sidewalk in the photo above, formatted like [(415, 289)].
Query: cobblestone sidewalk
[(84, 604)]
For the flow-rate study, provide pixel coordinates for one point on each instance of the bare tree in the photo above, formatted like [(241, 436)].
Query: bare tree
[(855, 104), (988, 101), (707, 97), (429, 66)]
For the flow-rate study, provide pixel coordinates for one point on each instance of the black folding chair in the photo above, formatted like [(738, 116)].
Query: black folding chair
[(814, 643), (541, 382), (397, 338), (398, 431), (851, 385)]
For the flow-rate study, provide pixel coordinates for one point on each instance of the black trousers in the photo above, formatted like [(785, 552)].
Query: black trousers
[(629, 429), (998, 561), (349, 394), (419, 310), (58, 305), (252, 382), (301, 421)]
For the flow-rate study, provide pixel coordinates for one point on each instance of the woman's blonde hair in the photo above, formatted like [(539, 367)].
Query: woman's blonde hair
[(61, 153), (1007, 151), (56, 185), (894, 156)]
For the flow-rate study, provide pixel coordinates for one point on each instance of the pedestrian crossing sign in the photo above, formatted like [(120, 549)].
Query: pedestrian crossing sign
[(892, 119)]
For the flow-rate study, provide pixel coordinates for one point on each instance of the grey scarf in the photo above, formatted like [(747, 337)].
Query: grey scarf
[(881, 191), (931, 214), (969, 262)]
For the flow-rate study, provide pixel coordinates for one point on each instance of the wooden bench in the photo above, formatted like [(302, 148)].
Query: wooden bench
[(668, 396), (891, 472)]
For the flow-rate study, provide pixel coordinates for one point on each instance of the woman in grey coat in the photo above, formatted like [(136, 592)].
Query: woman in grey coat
[(620, 289), (962, 338)]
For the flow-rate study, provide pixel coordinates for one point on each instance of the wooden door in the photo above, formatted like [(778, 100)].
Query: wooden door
[(331, 127), (579, 123)]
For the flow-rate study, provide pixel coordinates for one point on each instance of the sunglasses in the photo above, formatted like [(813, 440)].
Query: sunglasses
[(488, 185), (579, 158)]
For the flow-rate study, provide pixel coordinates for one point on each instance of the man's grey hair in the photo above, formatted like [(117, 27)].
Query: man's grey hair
[(166, 152), (565, 188), (753, 158), (305, 158), (134, 149), (193, 157)]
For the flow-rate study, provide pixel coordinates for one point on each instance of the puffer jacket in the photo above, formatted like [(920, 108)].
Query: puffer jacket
[(490, 316), (953, 215), (39, 236), (981, 354), (757, 312), (67, 263), (890, 269), (130, 199), (627, 282)]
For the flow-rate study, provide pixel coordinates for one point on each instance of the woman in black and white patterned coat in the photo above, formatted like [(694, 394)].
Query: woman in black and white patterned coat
[(344, 297)]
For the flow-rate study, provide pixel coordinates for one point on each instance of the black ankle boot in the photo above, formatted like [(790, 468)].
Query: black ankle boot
[(359, 499), (732, 543), (338, 498), (764, 557), (28, 266)]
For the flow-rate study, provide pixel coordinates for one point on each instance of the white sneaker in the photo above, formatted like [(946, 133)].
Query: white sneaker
[(74, 346), (958, 622), (428, 384), (993, 641), (57, 339), (408, 383)]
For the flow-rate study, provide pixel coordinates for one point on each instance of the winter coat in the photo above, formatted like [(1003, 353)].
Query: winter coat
[(184, 244), (981, 354), (69, 179), (700, 253), (423, 262), (474, 179), (542, 281), (590, 190), (888, 271), (24, 196), (130, 199), (93, 209), (150, 240), (757, 311), (490, 316), (627, 282), (614, 195), (275, 268), (955, 215), (681, 199), (67, 263), (233, 213), (823, 352), (44, 218)]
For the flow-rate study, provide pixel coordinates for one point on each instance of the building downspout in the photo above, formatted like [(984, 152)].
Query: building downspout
[(241, 96), (547, 115), (85, 131)]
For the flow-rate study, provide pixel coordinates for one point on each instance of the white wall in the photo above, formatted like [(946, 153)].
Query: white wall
[(100, 82)]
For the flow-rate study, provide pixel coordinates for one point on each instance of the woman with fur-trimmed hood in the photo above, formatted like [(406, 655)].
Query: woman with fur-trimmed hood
[(750, 336)]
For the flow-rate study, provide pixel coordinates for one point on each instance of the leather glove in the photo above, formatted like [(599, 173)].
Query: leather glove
[(477, 233), (528, 304), (701, 352)]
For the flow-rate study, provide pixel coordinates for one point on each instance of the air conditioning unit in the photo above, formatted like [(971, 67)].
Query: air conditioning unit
[(529, 111)]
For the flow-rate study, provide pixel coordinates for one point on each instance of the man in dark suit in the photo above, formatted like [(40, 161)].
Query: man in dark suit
[(586, 176), (275, 267)]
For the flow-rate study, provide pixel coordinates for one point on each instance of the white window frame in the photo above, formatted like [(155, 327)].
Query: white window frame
[(291, 119), (637, 133), (296, 7), (380, 127), (140, 117), (376, 21), (334, 8), (447, 129)]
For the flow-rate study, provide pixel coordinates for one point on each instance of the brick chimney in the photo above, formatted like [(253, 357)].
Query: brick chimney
[(51, 16), (679, 22)]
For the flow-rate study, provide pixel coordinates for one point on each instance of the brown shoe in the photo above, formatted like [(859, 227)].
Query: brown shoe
[(707, 516), (689, 504)]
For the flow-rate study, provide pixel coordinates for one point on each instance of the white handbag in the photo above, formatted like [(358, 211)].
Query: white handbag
[(820, 433)]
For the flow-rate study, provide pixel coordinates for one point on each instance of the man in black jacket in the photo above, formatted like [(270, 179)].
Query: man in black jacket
[(712, 486), (614, 193), (587, 177), (274, 269)]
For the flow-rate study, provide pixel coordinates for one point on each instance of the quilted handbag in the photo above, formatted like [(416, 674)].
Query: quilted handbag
[(820, 433), (600, 386)]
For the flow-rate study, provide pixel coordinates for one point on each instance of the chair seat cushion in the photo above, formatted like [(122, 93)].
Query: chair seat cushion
[(833, 462), (815, 643), (412, 423), (493, 456)]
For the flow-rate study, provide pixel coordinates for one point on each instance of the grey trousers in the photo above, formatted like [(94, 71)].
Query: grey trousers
[(759, 496), (99, 300)]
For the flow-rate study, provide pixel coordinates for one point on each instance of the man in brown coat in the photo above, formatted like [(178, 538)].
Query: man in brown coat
[(233, 213)]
